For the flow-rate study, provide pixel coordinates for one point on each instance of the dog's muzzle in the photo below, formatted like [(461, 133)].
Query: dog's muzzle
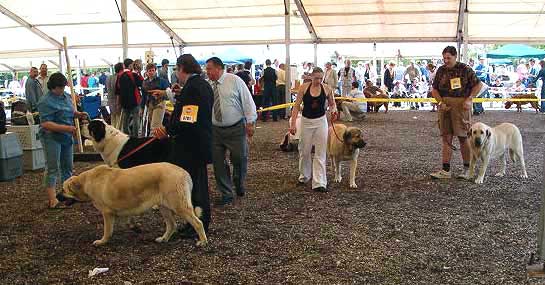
[(478, 142), (360, 144)]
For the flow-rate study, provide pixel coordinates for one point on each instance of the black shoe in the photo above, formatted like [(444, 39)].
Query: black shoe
[(224, 202), (241, 194), (320, 189), (187, 232)]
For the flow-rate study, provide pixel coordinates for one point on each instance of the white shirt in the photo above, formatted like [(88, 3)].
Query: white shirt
[(235, 100), (355, 93)]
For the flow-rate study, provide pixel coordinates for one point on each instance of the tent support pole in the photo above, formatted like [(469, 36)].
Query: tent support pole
[(124, 30), (287, 42), (465, 35), (61, 66), (315, 54)]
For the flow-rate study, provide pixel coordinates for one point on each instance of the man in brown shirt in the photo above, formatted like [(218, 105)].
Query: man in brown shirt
[(454, 87)]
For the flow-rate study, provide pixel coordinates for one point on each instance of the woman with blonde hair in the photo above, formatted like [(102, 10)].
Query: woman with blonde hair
[(316, 97)]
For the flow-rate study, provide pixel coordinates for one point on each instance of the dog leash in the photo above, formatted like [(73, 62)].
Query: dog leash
[(135, 150), (334, 131)]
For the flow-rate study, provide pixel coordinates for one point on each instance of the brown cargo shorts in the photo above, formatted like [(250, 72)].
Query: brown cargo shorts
[(453, 118)]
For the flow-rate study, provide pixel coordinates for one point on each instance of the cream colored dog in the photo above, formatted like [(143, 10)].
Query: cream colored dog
[(344, 144), (128, 192), (487, 143)]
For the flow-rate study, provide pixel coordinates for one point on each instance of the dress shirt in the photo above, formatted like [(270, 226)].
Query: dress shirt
[(235, 100), (281, 77)]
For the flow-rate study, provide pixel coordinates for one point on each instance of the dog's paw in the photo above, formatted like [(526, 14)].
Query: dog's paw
[(202, 243), (155, 207), (99, 242), (353, 185), (500, 174), (524, 176), (161, 239), (338, 179), (479, 180)]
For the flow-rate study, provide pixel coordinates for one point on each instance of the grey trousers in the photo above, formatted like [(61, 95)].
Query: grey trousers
[(233, 139), (130, 120)]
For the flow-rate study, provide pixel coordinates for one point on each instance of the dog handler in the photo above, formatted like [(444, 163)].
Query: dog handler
[(454, 87), (191, 127), (314, 96), (56, 134)]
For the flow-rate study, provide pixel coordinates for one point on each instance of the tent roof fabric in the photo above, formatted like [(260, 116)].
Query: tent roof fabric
[(515, 51), (212, 22)]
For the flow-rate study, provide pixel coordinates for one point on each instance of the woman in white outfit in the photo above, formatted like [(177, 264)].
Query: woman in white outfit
[(315, 97)]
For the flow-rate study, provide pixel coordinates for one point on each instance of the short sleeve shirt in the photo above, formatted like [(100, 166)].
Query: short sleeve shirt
[(455, 82), (57, 109)]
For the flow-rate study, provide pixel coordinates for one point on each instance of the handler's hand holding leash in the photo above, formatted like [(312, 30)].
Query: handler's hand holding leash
[(160, 133)]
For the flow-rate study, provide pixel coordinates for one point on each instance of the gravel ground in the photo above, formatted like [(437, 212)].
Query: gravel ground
[(399, 227)]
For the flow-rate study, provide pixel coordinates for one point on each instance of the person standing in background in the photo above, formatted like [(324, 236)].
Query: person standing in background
[(156, 106), (347, 75), (129, 84), (43, 78), (33, 90), (331, 78), (163, 72), (270, 93), (111, 81), (102, 81), (281, 88), (389, 76)]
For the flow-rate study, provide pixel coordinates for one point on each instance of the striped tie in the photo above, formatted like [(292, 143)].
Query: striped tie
[(217, 105)]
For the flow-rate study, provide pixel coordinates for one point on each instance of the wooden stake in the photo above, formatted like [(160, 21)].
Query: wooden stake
[(74, 101)]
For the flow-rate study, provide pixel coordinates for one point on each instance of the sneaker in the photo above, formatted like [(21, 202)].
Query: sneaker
[(464, 175), (441, 174)]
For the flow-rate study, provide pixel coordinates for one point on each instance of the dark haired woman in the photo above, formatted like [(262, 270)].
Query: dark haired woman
[(191, 128), (56, 134)]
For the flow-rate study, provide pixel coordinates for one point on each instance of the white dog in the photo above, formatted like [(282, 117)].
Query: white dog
[(487, 143)]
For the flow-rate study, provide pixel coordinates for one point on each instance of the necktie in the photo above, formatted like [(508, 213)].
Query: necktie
[(217, 105)]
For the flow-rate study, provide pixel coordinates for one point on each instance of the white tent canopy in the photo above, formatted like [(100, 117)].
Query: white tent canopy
[(31, 29)]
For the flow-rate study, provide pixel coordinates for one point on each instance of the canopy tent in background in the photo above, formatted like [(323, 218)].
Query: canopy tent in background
[(499, 62), (516, 51), (38, 26), (229, 56)]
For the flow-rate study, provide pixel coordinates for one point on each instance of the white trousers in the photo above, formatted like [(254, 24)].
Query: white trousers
[(313, 132)]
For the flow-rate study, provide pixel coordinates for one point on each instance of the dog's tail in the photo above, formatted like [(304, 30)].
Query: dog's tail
[(198, 212)]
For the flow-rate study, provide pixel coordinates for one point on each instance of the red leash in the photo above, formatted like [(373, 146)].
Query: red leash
[(136, 149), (334, 131)]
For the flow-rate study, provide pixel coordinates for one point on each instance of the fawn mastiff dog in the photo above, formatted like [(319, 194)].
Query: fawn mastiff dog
[(127, 192), (344, 144)]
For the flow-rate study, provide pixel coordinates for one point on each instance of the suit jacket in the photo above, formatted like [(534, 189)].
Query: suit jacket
[(193, 141), (389, 79)]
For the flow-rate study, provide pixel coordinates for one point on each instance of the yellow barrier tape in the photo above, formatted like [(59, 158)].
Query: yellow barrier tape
[(411, 100), (170, 107)]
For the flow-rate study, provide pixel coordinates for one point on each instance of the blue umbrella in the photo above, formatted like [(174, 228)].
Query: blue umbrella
[(515, 51)]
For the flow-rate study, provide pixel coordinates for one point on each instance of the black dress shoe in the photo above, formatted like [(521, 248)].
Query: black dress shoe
[(189, 233), (224, 202)]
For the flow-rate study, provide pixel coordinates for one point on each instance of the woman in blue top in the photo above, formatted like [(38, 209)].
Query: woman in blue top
[(56, 134)]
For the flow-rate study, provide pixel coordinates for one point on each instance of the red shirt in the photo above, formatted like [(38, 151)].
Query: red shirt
[(84, 82)]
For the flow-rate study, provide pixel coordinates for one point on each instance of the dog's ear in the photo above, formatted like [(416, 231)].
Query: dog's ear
[(469, 133), (97, 129), (488, 133), (346, 135)]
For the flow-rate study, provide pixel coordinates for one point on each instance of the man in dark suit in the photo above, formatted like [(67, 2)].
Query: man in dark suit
[(191, 128), (269, 91)]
